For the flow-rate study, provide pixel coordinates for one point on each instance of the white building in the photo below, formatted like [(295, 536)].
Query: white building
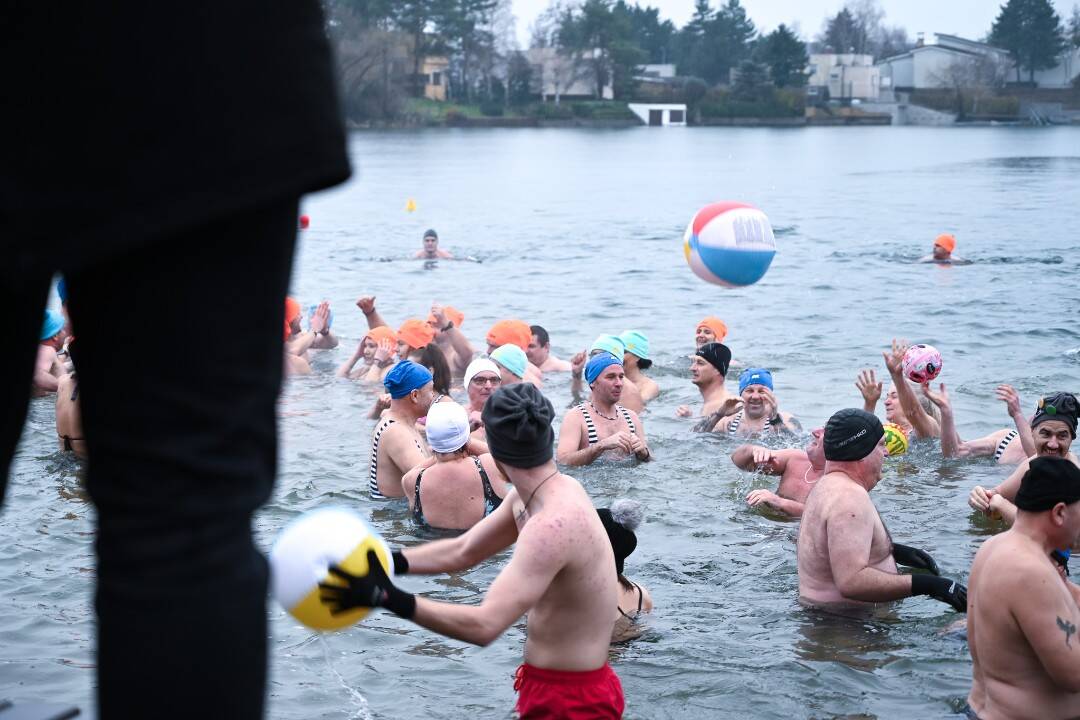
[(844, 75), (930, 66), (655, 73), (557, 76), (1061, 76), (660, 114)]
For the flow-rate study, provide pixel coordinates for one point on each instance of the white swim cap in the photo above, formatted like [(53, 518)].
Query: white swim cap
[(480, 365), (447, 427)]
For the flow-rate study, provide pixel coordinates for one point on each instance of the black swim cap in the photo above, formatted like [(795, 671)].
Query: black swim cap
[(717, 355), (623, 540), (517, 420), (1059, 406), (851, 434), (431, 233), (1048, 481)]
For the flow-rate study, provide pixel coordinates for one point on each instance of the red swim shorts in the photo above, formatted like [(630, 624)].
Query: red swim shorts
[(560, 694)]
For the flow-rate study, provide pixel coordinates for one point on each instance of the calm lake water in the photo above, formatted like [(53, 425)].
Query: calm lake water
[(580, 231)]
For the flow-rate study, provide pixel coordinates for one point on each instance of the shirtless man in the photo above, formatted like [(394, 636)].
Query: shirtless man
[(635, 361), (562, 572), (482, 379), (48, 368), (944, 245), (708, 369), (612, 345), (1053, 428), (396, 446), (1007, 446), (539, 352), (760, 411), (1022, 613), (445, 322), (711, 329), (431, 249), (799, 471), (602, 427), (846, 558)]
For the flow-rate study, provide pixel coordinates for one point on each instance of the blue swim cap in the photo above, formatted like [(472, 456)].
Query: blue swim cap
[(598, 363), (61, 289), (512, 358), (636, 343), (405, 377), (612, 344), (755, 376), (54, 323)]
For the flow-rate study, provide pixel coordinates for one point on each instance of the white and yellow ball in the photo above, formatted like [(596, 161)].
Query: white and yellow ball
[(896, 441), (729, 244), (305, 550)]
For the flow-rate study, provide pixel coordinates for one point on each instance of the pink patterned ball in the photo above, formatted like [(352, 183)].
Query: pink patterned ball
[(922, 363)]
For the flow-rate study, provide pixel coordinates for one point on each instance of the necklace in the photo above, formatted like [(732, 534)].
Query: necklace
[(525, 508), (805, 474), (606, 417)]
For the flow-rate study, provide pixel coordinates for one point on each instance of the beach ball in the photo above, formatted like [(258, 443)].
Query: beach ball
[(729, 244), (305, 550), (922, 363), (896, 442)]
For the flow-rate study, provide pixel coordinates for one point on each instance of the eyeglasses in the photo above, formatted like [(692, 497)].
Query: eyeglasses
[(486, 381)]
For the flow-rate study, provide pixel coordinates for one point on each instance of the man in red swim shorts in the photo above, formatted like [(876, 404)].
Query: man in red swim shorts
[(562, 572)]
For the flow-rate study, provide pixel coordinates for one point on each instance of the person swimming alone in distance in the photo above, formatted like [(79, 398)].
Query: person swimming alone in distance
[(944, 245), (431, 249)]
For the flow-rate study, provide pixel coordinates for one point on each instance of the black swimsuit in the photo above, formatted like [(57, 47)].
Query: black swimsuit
[(491, 500), (68, 447), (640, 600)]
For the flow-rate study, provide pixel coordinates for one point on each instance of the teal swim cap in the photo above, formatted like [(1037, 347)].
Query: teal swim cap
[(610, 344), (636, 343)]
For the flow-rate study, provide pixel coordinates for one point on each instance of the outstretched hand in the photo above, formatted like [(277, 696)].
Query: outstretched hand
[(439, 313), (320, 319), (354, 591), (366, 304), (577, 363), (869, 387), (940, 398), (894, 360), (1008, 395)]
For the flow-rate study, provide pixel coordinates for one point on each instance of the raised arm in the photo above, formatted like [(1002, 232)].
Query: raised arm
[(924, 425), (577, 384), (870, 389), (951, 444), (367, 306), (319, 323), (462, 347), (1011, 398)]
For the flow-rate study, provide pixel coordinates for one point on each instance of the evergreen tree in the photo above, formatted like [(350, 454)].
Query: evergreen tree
[(1073, 33), (691, 41), (518, 79), (751, 81), (785, 54), (1031, 31), (843, 35)]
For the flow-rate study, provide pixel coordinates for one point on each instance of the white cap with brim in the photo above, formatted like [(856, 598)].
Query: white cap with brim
[(447, 427), (478, 366)]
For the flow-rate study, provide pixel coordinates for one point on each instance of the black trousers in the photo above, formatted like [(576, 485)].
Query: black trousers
[(178, 350)]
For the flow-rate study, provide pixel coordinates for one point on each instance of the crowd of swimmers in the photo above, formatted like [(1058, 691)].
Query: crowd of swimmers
[(467, 438)]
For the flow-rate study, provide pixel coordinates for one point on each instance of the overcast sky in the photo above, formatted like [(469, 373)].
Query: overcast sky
[(966, 18)]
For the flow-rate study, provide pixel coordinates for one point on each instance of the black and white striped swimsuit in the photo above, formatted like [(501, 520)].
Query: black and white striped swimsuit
[(373, 470), (590, 426), (736, 420), (1004, 444)]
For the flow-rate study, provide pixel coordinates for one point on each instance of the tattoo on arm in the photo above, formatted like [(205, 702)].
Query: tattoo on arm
[(1066, 627)]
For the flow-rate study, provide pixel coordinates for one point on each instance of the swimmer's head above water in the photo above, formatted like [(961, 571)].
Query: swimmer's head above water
[(604, 374), (431, 242), (944, 245), (855, 439), (1053, 426), (509, 332), (711, 329), (709, 363)]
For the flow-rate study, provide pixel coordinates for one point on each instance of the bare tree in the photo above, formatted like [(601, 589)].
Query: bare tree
[(973, 78)]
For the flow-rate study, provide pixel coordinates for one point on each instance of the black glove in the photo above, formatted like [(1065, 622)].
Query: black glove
[(914, 558), (401, 563), (372, 590), (947, 591)]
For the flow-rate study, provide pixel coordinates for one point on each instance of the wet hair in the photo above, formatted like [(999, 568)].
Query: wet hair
[(643, 364), (541, 335), (434, 360)]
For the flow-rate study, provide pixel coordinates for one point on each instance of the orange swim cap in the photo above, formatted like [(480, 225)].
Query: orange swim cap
[(292, 312), (452, 314), (415, 333), (380, 333), (946, 241), (510, 332), (717, 326)]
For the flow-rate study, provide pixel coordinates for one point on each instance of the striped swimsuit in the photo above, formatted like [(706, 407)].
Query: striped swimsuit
[(733, 426), (373, 470), (590, 426), (1004, 444)]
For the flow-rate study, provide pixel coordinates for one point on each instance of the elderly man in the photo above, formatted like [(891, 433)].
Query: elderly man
[(708, 369), (799, 471), (539, 352), (760, 411), (396, 446), (431, 250), (561, 575), (601, 426), (48, 369), (1053, 429), (846, 558), (1022, 611)]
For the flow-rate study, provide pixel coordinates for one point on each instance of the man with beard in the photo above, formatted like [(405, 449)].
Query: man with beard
[(799, 471), (601, 426)]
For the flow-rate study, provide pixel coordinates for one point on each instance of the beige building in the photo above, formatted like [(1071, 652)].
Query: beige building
[(556, 76), (433, 71), (845, 76)]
